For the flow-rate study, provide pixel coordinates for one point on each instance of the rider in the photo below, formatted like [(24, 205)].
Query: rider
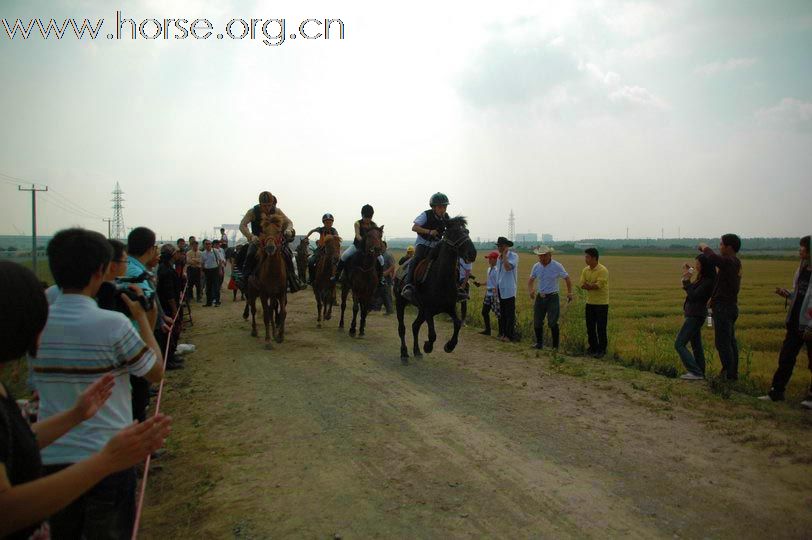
[(253, 219), (362, 227), (324, 230), (429, 226)]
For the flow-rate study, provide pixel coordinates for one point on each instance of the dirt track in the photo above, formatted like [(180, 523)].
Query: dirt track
[(329, 435)]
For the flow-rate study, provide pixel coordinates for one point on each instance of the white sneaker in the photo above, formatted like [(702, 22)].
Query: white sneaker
[(692, 377), (807, 403), (184, 348), (765, 398)]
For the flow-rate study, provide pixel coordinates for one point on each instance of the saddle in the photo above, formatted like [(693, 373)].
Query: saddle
[(422, 270)]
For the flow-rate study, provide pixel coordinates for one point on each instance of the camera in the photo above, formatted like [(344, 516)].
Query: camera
[(110, 294)]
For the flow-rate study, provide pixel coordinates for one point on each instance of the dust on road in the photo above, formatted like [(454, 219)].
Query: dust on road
[(330, 435)]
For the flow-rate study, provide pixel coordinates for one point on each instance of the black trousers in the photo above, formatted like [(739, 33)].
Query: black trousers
[(194, 282), (597, 317), (140, 397), (212, 285), (507, 317), (724, 332), (793, 343), (486, 316)]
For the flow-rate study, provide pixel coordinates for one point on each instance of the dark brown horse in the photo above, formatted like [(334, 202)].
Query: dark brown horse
[(324, 288), (363, 280), (269, 283)]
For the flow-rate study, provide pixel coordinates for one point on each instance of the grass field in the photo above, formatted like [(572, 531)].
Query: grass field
[(645, 314)]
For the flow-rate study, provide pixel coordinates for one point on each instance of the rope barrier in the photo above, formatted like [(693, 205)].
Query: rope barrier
[(140, 504)]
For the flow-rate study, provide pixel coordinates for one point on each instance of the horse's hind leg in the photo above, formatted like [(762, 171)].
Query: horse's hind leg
[(281, 315), (418, 322), (428, 346), (266, 318), (318, 309), (400, 306), (451, 344), (343, 306), (364, 310), (253, 303), (354, 315)]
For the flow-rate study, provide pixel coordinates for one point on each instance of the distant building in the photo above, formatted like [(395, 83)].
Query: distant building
[(526, 238), (547, 238)]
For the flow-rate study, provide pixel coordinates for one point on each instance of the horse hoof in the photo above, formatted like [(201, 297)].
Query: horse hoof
[(352, 332), (428, 347), (417, 354), (328, 317), (404, 360), (361, 333), (448, 348), (253, 333)]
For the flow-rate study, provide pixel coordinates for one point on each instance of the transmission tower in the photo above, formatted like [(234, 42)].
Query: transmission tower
[(119, 231), (511, 226)]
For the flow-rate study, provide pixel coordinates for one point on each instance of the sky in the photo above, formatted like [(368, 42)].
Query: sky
[(689, 118)]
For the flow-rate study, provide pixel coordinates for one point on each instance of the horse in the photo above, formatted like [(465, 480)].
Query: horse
[(302, 254), (363, 280), (269, 283), (324, 288), (437, 293)]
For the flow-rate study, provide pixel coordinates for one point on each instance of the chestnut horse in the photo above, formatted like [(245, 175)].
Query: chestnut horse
[(269, 283), (363, 280), (324, 288)]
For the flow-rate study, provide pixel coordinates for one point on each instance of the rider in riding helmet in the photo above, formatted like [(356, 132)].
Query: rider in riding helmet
[(429, 226), (362, 227), (324, 230), (253, 219)]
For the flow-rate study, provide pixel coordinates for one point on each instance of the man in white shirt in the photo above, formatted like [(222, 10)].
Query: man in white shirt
[(506, 278), (543, 286)]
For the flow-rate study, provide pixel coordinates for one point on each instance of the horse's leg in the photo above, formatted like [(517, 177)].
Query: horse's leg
[(400, 307), (343, 306), (329, 300), (428, 346), (281, 315), (317, 294), (364, 308), (452, 343), (418, 322), (253, 302), (266, 318), (354, 314)]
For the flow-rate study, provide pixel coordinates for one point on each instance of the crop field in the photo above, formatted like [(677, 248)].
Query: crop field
[(645, 314)]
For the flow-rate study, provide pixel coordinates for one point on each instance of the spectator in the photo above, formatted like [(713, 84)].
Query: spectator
[(409, 254), (463, 288), (489, 303), (218, 249), (194, 265), (169, 289), (79, 341), (695, 307), (595, 281), (724, 302), (180, 258), (108, 296), (547, 303), (26, 498), (389, 268), (506, 279), (223, 236), (211, 269), (799, 328)]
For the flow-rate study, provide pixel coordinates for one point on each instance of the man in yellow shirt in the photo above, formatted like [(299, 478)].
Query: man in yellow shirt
[(595, 281)]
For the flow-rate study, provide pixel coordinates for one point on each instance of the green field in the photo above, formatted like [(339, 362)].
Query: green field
[(645, 314)]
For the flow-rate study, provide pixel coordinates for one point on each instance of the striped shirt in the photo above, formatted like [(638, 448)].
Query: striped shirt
[(80, 343)]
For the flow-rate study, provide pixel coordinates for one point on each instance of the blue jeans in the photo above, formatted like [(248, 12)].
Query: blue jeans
[(106, 512), (724, 326), (691, 331)]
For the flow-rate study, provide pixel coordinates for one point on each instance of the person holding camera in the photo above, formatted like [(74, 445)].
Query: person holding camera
[(695, 307), (799, 327), (81, 341), (27, 498)]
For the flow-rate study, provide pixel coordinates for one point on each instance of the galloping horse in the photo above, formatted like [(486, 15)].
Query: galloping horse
[(363, 279), (438, 291), (324, 288), (269, 283)]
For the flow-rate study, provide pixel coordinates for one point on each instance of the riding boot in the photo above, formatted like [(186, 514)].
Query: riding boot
[(339, 269), (311, 273), (293, 283)]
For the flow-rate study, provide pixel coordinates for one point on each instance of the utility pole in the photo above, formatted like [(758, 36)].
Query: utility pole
[(109, 222), (511, 226), (33, 189)]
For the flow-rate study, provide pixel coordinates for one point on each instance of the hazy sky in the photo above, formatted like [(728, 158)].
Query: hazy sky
[(583, 117)]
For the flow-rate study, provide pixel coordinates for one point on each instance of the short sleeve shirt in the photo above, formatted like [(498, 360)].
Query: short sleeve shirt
[(506, 279), (547, 276), (465, 267), (80, 343)]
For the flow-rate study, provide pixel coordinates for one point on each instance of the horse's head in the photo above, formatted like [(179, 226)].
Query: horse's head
[(456, 236), (374, 241), (271, 233), (332, 245)]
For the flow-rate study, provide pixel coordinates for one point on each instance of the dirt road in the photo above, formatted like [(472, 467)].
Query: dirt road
[(328, 435)]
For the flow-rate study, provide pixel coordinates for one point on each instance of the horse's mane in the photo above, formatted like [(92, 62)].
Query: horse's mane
[(458, 221), (332, 238), (271, 221)]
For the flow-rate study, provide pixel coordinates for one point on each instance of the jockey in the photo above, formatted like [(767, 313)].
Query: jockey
[(362, 226), (253, 219), (324, 230), (429, 226)]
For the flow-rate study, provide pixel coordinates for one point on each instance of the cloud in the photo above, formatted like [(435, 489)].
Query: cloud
[(733, 64), (788, 112), (613, 87)]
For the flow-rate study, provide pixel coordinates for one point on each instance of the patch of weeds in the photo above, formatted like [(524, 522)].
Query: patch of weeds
[(719, 386), (638, 386), (666, 394)]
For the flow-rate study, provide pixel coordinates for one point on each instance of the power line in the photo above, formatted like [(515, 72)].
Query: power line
[(71, 203), (56, 203)]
